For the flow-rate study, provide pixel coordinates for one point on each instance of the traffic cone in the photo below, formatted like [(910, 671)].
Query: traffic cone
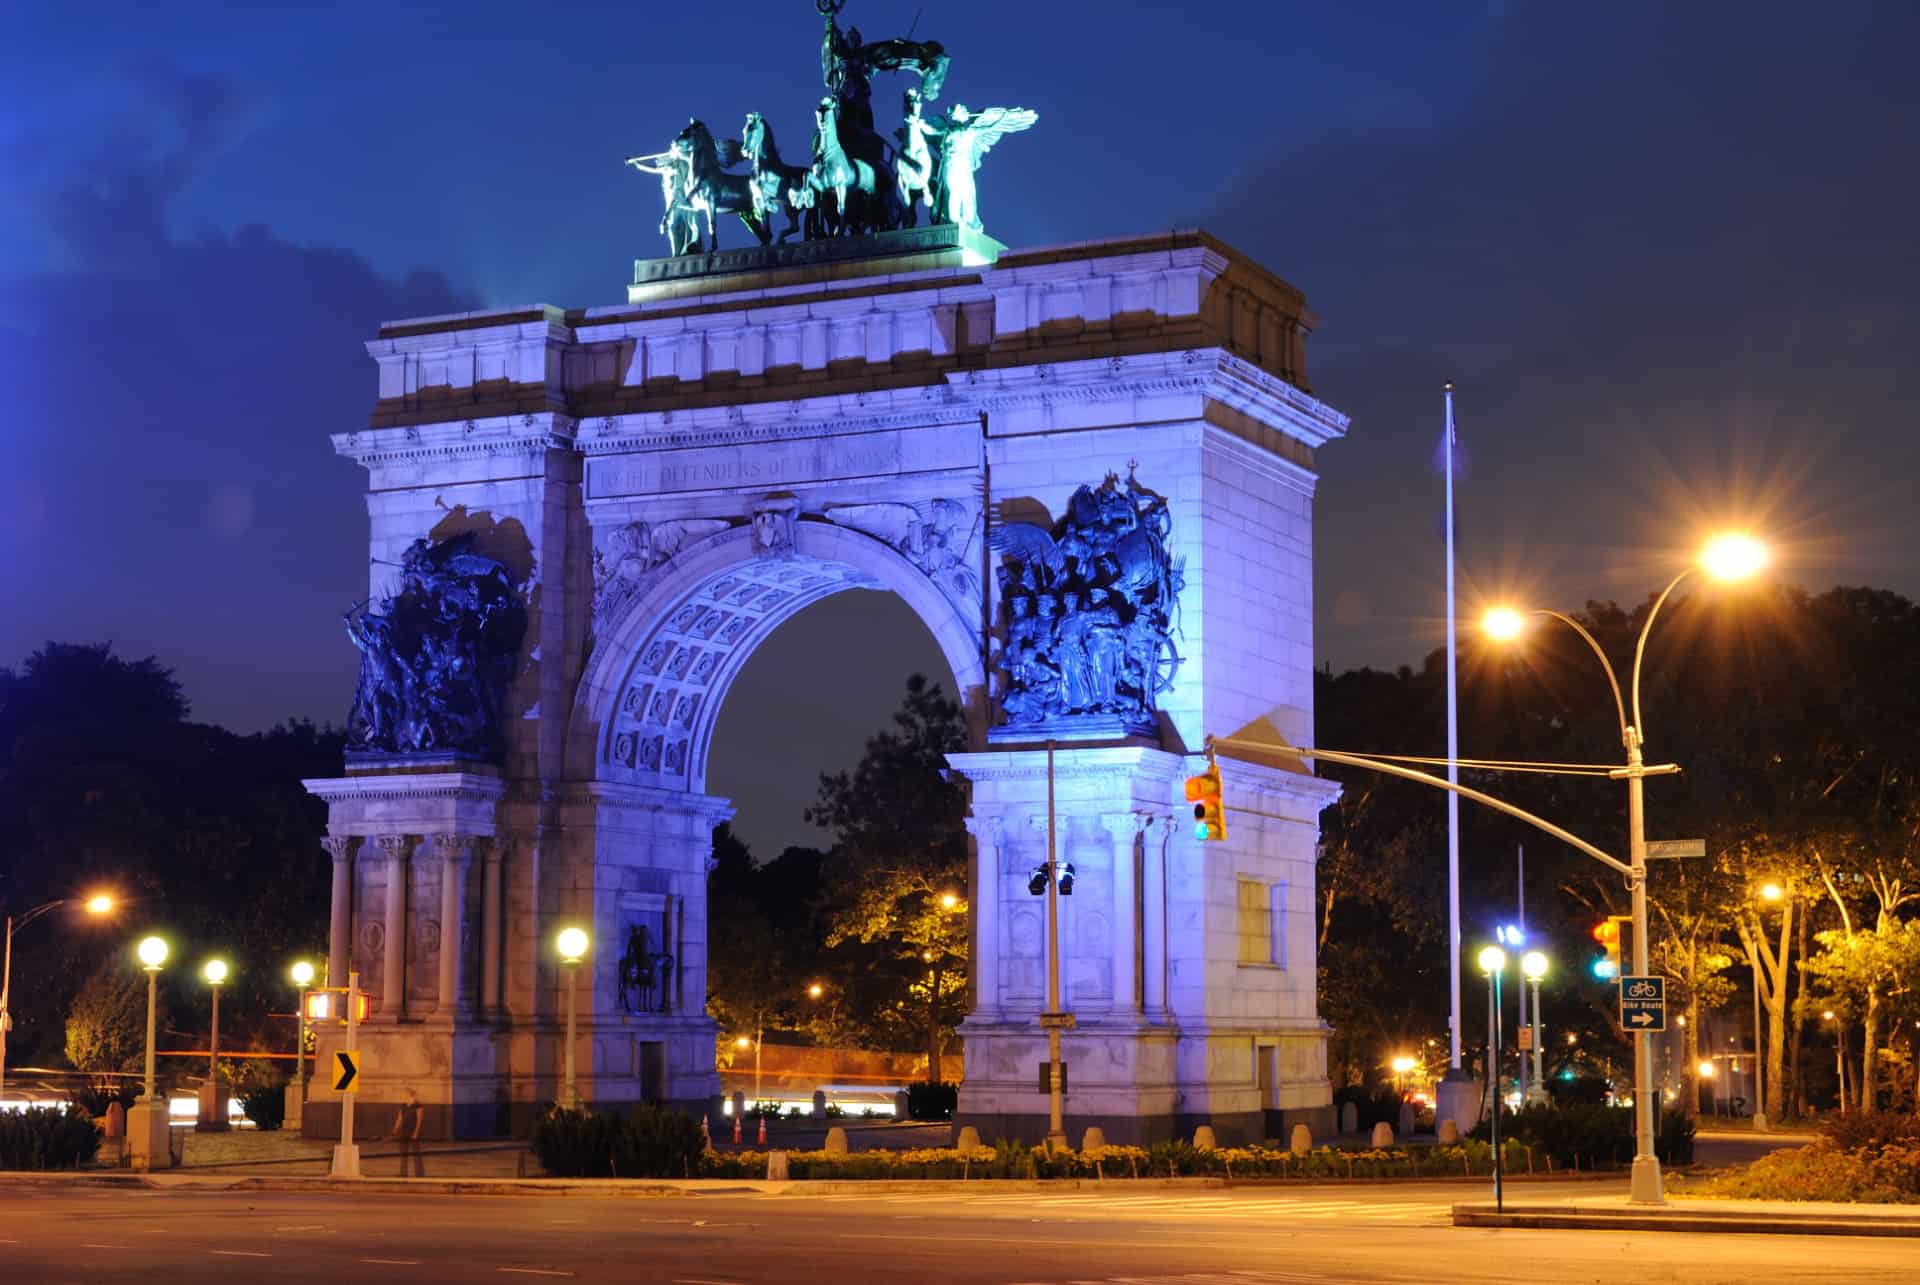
[(736, 1131), (706, 1134), (762, 1141)]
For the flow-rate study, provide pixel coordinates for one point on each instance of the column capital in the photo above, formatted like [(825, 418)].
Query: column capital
[(1123, 826), (988, 829), (455, 847), (1157, 825), (394, 846), (338, 846)]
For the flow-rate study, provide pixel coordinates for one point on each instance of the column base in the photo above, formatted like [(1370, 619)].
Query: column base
[(149, 1135)]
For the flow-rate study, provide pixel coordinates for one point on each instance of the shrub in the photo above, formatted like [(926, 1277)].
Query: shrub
[(1590, 1135), (933, 1101), (47, 1138), (1871, 1130), (1382, 1107), (265, 1105), (95, 1096), (643, 1142), (1826, 1172)]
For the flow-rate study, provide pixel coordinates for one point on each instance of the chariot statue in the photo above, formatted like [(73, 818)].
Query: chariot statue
[(857, 182)]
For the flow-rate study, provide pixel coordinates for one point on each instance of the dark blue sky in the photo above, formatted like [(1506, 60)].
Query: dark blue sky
[(1667, 252)]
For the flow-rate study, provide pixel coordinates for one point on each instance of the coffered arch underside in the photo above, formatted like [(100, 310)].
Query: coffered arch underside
[(651, 699)]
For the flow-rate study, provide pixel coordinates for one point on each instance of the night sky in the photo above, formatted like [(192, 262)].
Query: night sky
[(1667, 253)]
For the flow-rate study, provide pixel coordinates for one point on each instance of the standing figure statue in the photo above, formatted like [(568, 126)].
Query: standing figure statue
[(965, 140), (680, 223)]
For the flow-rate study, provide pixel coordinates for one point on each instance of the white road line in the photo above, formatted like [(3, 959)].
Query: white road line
[(700, 1280), (531, 1271), (239, 1253), (94, 1245), (304, 1227), (392, 1262), (5, 1241)]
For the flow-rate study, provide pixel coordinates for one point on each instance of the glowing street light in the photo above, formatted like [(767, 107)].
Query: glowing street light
[(572, 943), (153, 956), (302, 974), (1533, 967), (949, 901), (1493, 962), (98, 904), (213, 1103), (742, 1041), (815, 991), (1733, 556), (1726, 557)]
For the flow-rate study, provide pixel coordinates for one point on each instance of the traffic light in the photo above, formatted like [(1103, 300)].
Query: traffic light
[(1066, 879), (1037, 882), (1209, 813), (1607, 933)]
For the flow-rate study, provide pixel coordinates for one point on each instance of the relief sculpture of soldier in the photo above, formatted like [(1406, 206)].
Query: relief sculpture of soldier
[(1091, 607)]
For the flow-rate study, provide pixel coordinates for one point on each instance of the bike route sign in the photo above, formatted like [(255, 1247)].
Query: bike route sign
[(1643, 1003)]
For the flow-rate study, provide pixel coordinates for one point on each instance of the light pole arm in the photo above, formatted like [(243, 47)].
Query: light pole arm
[(40, 910), (1606, 665), (1394, 769), (1640, 651)]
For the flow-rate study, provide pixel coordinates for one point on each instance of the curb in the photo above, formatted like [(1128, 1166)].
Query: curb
[(1571, 1217), (201, 1180)]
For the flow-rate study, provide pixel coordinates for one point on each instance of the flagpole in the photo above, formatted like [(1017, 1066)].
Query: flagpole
[(1456, 1088)]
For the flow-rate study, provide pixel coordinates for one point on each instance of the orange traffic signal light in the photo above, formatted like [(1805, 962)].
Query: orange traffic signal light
[(1607, 933), (323, 1005), (1209, 810)]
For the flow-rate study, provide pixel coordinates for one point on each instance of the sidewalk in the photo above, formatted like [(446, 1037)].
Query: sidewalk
[(1763, 1217)]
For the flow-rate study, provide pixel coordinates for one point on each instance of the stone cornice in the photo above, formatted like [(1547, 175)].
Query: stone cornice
[(1070, 763), (457, 439), (464, 786)]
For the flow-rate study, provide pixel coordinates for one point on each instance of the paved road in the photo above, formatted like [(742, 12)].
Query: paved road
[(1390, 1234)]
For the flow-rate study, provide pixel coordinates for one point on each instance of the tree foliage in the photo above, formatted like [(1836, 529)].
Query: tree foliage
[(107, 1025)]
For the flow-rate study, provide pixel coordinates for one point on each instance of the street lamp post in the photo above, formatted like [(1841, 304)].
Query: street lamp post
[(147, 1125), (98, 904), (1533, 967), (213, 1103), (1493, 962), (1053, 1019), (573, 948), (1727, 558), (302, 973)]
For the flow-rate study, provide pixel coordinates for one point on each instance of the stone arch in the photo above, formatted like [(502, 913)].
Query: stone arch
[(650, 698)]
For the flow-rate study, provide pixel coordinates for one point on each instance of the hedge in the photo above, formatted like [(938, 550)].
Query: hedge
[(47, 1138)]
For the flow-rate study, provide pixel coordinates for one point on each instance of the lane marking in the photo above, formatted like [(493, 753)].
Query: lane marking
[(701, 1280), (391, 1262), (531, 1271), (304, 1227), (239, 1253), (95, 1245)]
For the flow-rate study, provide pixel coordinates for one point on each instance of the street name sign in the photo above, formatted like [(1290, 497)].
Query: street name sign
[(346, 1069), (1526, 1039), (1643, 1003), (1675, 849)]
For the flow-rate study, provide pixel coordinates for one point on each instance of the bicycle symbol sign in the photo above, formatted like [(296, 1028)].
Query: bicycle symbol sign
[(1643, 1003)]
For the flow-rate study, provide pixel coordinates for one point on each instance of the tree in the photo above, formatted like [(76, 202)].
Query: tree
[(107, 1025), (900, 854)]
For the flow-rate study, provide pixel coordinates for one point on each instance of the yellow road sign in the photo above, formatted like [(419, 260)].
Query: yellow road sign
[(346, 1069)]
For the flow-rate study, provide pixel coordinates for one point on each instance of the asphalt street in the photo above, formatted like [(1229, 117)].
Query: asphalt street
[(1395, 1233)]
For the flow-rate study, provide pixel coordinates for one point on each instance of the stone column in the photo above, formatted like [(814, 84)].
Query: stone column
[(454, 850), (1153, 900), (490, 923), (988, 913), (1124, 829), (393, 962), (340, 928)]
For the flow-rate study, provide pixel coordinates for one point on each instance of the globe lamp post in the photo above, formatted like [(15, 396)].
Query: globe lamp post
[(573, 943), (1533, 967), (1493, 962), (213, 1103)]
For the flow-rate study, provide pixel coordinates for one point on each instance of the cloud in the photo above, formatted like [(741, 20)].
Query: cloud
[(177, 489)]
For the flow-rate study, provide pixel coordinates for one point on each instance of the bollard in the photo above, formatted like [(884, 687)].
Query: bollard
[(1301, 1141), (1449, 1133), (1383, 1134), (819, 1104), (1094, 1139), (969, 1139), (901, 1105), (776, 1166), (1406, 1119), (836, 1144), (1349, 1118), (1203, 1138)]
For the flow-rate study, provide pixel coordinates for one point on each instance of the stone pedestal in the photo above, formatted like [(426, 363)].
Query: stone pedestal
[(213, 1097), (149, 1135), (296, 1101), (1178, 1023)]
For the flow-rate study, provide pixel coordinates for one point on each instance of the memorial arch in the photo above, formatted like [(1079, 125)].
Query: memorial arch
[(665, 482)]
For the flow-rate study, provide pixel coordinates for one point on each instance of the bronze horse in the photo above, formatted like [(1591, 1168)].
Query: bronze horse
[(711, 190)]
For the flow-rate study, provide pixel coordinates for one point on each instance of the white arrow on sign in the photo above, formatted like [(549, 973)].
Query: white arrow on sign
[(1640, 1019)]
